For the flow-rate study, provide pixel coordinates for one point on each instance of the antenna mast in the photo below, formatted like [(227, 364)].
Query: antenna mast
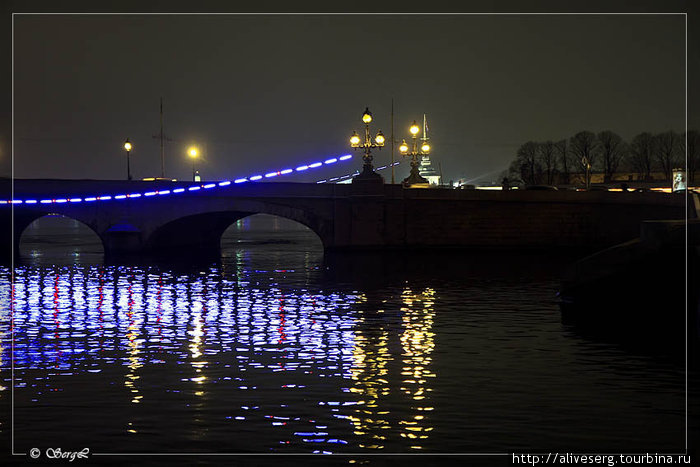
[(162, 142), (392, 141)]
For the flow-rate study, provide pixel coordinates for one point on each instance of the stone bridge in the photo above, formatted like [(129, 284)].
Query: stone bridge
[(141, 217)]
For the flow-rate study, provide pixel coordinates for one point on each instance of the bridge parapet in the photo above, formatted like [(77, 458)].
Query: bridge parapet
[(343, 216)]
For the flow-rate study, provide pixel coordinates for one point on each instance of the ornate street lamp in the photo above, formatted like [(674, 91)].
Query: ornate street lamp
[(193, 155), (367, 169), (127, 147), (414, 177)]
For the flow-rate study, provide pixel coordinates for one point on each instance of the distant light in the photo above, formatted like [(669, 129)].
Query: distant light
[(163, 192), (345, 157), (314, 165), (134, 195), (192, 152), (194, 188), (380, 138), (367, 116), (47, 201), (120, 197), (105, 198), (330, 161), (61, 200), (127, 145), (30, 201), (209, 185), (271, 174), (354, 139), (227, 182), (150, 193), (88, 199), (286, 171), (240, 180), (321, 181), (76, 200), (302, 168), (425, 147), (178, 190), (382, 167), (414, 128), (256, 177)]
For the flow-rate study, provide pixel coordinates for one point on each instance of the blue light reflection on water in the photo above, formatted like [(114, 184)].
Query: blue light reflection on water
[(270, 350), (87, 318)]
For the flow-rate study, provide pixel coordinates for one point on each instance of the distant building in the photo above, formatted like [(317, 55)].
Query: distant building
[(426, 169)]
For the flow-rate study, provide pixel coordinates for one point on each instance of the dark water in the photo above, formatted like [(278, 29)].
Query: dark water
[(277, 348)]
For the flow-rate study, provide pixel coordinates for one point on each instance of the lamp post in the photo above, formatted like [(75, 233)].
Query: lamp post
[(193, 155), (127, 147), (367, 169), (587, 165), (414, 177)]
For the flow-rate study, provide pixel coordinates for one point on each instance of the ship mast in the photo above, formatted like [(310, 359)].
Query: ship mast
[(425, 129)]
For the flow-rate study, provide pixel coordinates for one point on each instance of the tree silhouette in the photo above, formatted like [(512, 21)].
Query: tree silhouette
[(561, 148), (693, 152), (642, 153), (583, 146), (612, 150), (525, 164), (548, 161), (666, 149)]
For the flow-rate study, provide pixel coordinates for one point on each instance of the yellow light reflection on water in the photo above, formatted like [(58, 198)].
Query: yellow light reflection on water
[(417, 343), (196, 352), (371, 370)]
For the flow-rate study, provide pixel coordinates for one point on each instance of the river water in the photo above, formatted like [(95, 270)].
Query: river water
[(278, 348)]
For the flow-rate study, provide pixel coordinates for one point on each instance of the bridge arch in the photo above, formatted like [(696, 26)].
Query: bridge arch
[(202, 231), (61, 230)]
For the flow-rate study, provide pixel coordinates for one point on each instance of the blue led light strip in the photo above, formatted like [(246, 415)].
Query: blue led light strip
[(343, 177), (205, 186)]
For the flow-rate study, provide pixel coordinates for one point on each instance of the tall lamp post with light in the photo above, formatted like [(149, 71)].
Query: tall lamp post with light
[(367, 169), (193, 155), (414, 177), (127, 147)]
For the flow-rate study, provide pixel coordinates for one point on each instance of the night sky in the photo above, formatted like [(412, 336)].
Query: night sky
[(263, 92)]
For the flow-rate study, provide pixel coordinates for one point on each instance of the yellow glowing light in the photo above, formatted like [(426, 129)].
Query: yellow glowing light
[(403, 147), (354, 139), (367, 116), (414, 128), (193, 152), (380, 138), (425, 147), (127, 145)]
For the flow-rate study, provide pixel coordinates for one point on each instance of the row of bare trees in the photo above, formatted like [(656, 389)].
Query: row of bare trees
[(553, 162)]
